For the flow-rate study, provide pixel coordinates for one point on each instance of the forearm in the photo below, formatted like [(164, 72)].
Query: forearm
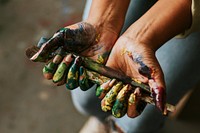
[(108, 13), (163, 21)]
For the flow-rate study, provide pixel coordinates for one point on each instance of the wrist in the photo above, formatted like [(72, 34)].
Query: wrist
[(155, 29), (108, 14), (139, 38), (105, 26)]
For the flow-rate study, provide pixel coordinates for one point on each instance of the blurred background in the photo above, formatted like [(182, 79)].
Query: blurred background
[(31, 104)]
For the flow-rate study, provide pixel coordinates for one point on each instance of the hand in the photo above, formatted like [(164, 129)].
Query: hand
[(117, 97), (83, 39), (139, 62)]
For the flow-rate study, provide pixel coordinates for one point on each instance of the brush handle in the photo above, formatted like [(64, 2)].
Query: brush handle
[(113, 74)]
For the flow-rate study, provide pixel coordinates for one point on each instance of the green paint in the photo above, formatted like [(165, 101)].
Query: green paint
[(60, 73), (103, 89), (99, 91), (40, 58), (50, 68), (72, 78), (84, 82), (73, 74), (110, 97), (119, 109)]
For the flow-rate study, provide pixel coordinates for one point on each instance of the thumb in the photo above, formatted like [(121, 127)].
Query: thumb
[(47, 47), (157, 85), (75, 38)]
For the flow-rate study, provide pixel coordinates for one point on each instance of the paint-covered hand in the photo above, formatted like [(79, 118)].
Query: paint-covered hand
[(83, 39), (120, 99), (139, 62)]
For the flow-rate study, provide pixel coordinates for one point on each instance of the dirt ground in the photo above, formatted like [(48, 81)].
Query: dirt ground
[(28, 103)]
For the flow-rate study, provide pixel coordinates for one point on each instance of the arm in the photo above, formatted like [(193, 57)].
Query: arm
[(108, 13), (163, 21)]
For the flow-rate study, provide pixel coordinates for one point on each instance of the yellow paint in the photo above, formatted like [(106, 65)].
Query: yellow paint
[(136, 80), (100, 59), (131, 99), (125, 51), (98, 38)]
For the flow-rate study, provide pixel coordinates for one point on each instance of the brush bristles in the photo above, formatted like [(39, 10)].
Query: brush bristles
[(31, 51)]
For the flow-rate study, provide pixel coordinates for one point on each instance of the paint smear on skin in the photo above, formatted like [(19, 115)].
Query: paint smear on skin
[(143, 69), (79, 39), (103, 89), (103, 58), (84, 82), (110, 97), (157, 92), (75, 40), (136, 80), (73, 74), (120, 107), (98, 38)]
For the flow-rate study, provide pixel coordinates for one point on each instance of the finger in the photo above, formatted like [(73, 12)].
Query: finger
[(135, 105), (46, 49), (103, 89), (120, 107), (155, 80), (34, 49), (72, 81), (42, 41), (158, 94), (108, 100), (84, 82), (59, 77), (49, 69)]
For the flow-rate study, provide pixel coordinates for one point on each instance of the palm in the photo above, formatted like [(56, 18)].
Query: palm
[(140, 63)]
